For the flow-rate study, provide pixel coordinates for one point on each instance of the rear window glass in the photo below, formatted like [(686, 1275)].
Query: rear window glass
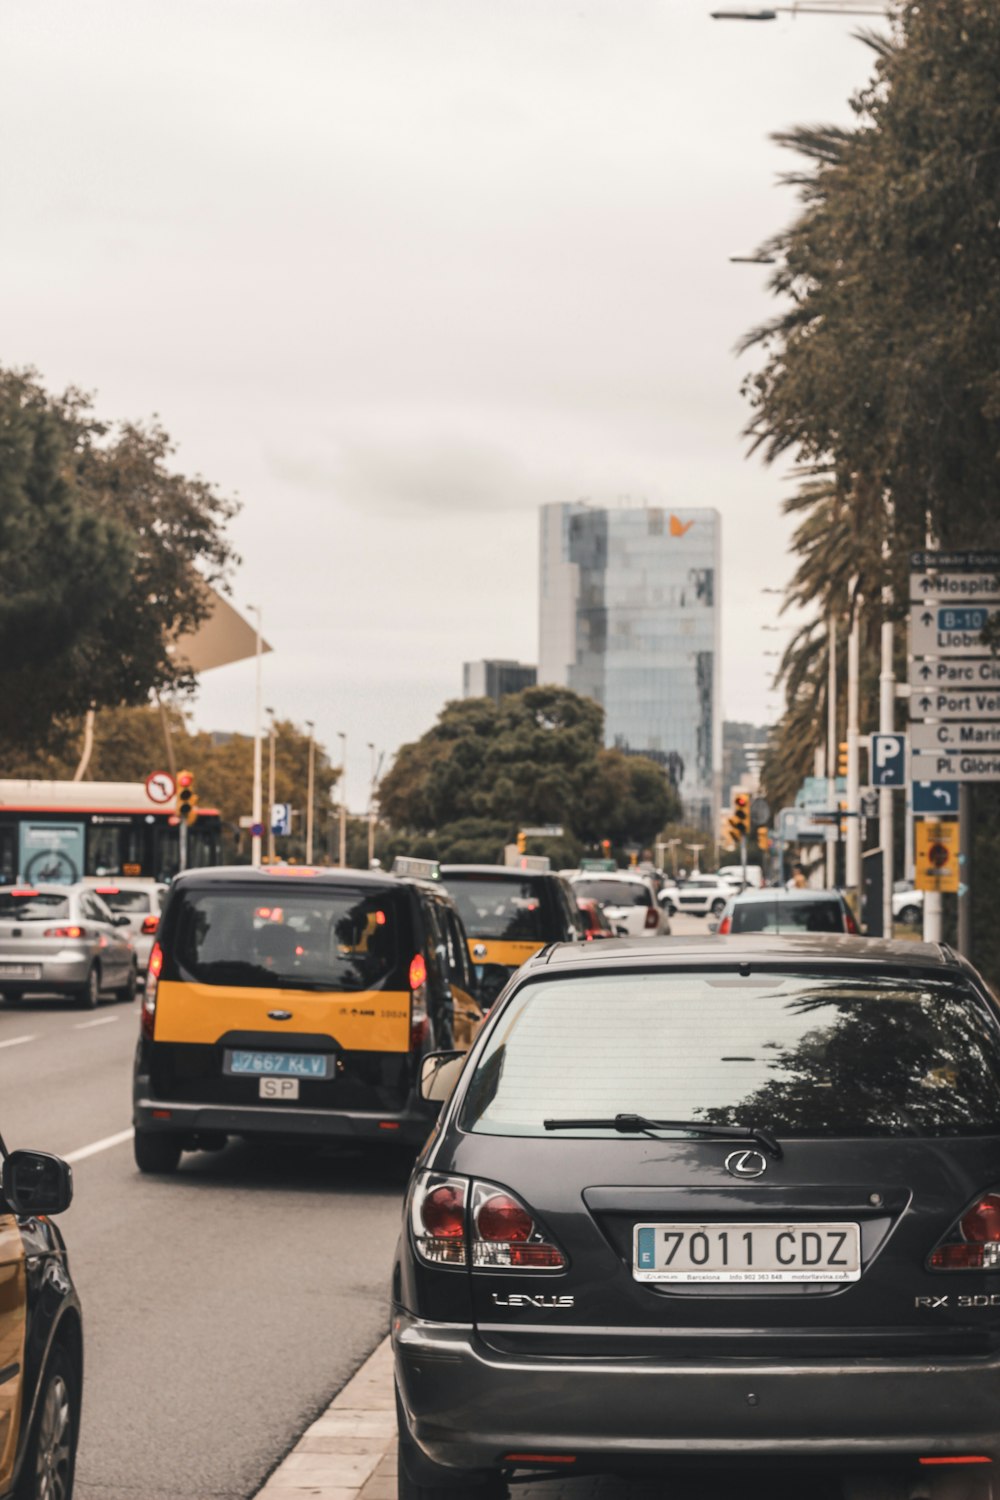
[(30, 907), (498, 908), (321, 938), (792, 1053), (614, 892), (788, 916), (126, 901)]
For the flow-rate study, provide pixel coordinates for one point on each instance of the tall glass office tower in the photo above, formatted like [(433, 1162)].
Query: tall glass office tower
[(629, 616)]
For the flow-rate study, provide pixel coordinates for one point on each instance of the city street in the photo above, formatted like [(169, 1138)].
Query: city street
[(223, 1307)]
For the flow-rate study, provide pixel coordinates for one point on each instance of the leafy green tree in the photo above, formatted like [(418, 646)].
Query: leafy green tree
[(104, 554)]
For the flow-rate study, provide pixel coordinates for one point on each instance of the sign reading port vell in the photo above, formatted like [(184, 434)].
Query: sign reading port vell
[(954, 675)]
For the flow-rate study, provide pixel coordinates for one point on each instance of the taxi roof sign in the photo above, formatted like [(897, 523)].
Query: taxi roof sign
[(416, 869)]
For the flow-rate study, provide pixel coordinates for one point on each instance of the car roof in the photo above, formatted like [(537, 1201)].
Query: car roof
[(711, 952), (785, 893), (293, 875), (509, 872), (633, 875)]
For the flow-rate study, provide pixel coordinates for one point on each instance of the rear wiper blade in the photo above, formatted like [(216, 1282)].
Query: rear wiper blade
[(635, 1124)]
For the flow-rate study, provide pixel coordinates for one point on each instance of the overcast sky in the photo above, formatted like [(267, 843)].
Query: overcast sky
[(398, 271)]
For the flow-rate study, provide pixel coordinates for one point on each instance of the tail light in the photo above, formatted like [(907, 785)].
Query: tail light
[(725, 927), (437, 1219), (850, 924), (418, 1002), (148, 1013), (974, 1243), (652, 917), (149, 926), (66, 932), (505, 1236)]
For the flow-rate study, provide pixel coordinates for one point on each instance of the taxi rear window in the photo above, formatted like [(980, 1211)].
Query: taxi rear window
[(492, 907), (126, 901), (320, 938)]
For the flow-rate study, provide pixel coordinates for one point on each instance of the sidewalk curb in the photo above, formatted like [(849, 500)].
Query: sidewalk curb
[(341, 1456)]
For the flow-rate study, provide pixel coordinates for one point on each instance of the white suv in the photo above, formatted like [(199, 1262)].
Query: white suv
[(701, 895), (629, 902)]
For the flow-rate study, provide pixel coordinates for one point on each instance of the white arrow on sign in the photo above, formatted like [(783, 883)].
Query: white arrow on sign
[(944, 735)]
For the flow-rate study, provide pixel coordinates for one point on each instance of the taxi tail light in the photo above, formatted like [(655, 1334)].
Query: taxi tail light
[(974, 1243), (652, 917), (66, 932), (418, 1002), (505, 1236), (149, 926), (725, 927), (437, 1219), (148, 1012), (850, 922)]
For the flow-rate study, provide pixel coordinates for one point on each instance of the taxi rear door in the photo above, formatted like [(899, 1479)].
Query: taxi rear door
[(13, 1304)]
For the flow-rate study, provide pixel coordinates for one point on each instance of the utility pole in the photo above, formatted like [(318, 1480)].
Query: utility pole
[(256, 811), (371, 806), (343, 799), (310, 790), (672, 846), (831, 744), (270, 790), (853, 850), (887, 725)]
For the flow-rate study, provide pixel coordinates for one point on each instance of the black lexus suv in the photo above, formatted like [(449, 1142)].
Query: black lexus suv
[(700, 1204)]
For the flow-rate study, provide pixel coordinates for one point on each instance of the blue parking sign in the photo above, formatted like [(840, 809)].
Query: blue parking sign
[(888, 760)]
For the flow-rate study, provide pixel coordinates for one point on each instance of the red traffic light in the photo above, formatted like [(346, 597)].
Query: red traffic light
[(185, 779)]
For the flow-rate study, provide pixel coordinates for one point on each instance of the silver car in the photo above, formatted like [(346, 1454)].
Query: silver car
[(139, 900), (62, 939)]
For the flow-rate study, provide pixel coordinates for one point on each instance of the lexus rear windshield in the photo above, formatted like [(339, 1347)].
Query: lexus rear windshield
[(492, 907), (314, 938), (795, 1054), (614, 892)]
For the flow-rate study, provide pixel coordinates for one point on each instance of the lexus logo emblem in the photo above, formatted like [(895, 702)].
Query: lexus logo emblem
[(746, 1164)]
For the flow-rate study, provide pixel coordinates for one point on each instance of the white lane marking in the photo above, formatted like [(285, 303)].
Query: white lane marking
[(16, 1041), (103, 1145), (101, 1021)]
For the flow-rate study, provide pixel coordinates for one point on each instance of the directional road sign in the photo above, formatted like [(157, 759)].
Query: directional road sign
[(955, 588), (978, 561), (982, 672), (888, 760), (936, 861), (281, 819), (937, 797), (956, 765), (947, 703), (950, 629), (943, 734)]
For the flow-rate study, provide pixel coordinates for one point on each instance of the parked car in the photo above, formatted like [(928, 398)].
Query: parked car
[(700, 895), (41, 1333), (141, 901), (63, 940), (789, 910), (711, 1204), (595, 922), (907, 904), (629, 902)]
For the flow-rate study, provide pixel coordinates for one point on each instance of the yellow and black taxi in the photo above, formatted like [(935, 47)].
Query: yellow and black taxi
[(510, 912), (293, 1002), (41, 1332)]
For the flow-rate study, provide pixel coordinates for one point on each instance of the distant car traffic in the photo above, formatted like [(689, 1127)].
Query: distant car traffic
[(596, 924), (629, 902), (787, 911), (63, 940), (41, 1334), (296, 1003), (699, 895), (710, 1204), (141, 901), (907, 904), (510, 913)]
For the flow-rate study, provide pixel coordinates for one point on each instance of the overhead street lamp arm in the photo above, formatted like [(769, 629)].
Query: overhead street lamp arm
[(795, 10)]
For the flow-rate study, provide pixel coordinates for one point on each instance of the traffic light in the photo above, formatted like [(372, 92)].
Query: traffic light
[(739, 822), (522, 843), (763, 838), (842, 758), (187, 798)]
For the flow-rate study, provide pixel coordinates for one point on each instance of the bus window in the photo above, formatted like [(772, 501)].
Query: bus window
[(104, 855)]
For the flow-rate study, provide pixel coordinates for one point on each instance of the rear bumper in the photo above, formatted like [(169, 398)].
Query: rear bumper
[(67, 972), (468, 1407), (404, 1127)]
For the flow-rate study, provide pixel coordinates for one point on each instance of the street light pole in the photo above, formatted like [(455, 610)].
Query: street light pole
[(343, 799), (310, 786), (831, 744), (371, 808), (270, 790), (887, 725), (256, 811), (853, 849)]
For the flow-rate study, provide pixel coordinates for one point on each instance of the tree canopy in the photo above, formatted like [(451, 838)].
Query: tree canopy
[(104, 550), (485, 770)]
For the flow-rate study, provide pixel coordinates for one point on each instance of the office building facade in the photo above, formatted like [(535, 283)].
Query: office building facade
[(495, 679), (629, 616)]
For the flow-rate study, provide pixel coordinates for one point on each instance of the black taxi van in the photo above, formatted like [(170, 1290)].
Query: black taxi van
[(41, 1334), (292, 1001), (510, 912)]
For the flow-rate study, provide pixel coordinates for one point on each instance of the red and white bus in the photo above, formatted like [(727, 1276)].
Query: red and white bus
[(64, 831)]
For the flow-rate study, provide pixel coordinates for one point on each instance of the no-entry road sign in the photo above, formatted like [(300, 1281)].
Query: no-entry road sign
[(936, 863)]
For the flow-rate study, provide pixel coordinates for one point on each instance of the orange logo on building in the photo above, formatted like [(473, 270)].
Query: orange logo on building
[(678, 528)]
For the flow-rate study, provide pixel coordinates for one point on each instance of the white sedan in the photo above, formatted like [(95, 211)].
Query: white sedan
[(628, 901)]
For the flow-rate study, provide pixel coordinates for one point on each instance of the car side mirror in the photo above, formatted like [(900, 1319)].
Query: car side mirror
[(35, 1182), (120, 920), (439, 1074)]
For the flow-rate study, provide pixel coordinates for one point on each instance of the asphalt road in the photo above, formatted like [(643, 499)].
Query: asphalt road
[(223, 1307)]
